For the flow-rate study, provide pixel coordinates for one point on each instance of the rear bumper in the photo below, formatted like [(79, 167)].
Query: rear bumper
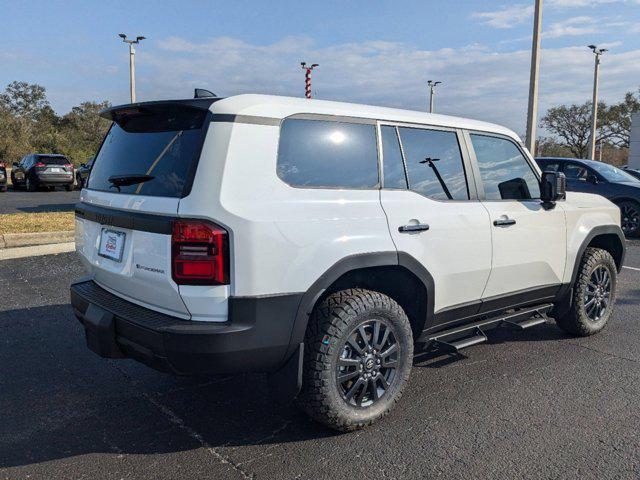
[(54, 179), (255, 339)]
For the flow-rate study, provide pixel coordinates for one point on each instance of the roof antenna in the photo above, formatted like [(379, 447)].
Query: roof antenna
[(202, 93)]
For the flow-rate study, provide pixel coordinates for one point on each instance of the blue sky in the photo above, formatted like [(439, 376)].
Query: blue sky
[(378, 52)]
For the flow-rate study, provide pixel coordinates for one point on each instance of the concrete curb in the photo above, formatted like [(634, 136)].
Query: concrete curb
[(13, 240), (36, 250)]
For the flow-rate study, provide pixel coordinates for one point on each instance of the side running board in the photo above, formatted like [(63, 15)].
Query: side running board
[(455, 339)]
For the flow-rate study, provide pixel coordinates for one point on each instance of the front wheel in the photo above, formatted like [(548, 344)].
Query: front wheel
[(358, 354), (630, 218), (594, 294)]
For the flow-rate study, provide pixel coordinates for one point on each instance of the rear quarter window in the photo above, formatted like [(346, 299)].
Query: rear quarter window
[(327, 154)]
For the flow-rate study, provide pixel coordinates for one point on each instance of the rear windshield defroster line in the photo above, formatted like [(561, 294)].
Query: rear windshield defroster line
[(163, 142)]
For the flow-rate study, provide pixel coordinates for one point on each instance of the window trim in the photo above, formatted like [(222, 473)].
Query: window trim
[(336, 119), (472, 154), (467, 170)]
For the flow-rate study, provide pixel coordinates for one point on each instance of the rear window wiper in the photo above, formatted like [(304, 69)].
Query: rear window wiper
[(131, 179)]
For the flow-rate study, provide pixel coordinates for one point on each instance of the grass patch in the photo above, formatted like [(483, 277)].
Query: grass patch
[(36, 222)]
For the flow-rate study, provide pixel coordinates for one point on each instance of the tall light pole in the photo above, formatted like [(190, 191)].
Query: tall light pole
[(132, 63), (532, 111), (594, 108), (307, 77), (432, 91)]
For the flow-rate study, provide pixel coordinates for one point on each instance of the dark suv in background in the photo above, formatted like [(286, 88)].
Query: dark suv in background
[(43, 170), (611, 182)]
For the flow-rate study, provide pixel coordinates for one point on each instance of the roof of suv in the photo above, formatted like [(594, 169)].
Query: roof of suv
[(567, 159), (280, 107)]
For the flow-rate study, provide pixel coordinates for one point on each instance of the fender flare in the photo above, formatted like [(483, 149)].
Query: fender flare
[(595, 232), (350, 263)]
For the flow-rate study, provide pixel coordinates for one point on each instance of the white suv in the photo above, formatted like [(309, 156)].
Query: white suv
[(319, 241)]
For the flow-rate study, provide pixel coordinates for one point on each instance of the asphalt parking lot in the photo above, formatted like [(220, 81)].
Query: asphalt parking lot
[(533, 404), (21, 201)]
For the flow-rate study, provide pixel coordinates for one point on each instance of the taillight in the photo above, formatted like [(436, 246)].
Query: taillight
[(199, 253), (68, 165), (39, 164), (2, 165)]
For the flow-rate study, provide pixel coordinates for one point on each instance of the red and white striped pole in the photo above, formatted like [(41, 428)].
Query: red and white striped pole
[(307, 78)]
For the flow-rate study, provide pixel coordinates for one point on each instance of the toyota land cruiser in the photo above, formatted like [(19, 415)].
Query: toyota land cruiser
[(319, 241)]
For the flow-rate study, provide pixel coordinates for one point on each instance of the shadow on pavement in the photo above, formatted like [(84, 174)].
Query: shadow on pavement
[(48, 207), (59, 400)]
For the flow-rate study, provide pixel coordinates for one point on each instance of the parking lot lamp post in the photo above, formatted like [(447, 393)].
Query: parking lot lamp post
[(432, 87), (532, 111), (132, 64), (594, 107)]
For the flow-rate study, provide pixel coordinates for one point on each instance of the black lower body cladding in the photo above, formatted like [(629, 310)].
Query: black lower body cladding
[(255, 338)]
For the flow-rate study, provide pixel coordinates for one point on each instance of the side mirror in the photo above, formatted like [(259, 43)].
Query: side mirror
[(591, 178), (553, 187)]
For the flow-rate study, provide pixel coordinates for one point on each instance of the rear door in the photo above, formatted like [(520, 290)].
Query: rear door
[(434, 214), (528, 241), (124, 220)]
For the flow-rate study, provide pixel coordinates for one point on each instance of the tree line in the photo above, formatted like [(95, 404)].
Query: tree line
[(28, 124), (570, 126)]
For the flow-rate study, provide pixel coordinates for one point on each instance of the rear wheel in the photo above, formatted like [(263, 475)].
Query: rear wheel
[(31, 187), (630, 217), (3, 188), (594, 294), (358, 354), (68, 187)]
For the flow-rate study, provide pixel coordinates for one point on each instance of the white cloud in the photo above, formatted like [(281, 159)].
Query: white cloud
[(478, 82), (507, 17), (573, 26)]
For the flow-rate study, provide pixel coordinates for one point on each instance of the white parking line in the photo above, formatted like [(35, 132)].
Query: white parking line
[(632, 268)]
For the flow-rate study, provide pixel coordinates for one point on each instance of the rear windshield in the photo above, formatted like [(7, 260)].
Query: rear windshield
[(161, 147), (52, 160)]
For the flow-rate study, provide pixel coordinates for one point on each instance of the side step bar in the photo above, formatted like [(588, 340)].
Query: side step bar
[(455, 339)]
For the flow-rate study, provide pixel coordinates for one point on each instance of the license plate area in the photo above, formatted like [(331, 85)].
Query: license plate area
[(111, 244)]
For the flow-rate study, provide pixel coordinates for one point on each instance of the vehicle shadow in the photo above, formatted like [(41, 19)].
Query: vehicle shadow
[(59, 400), (48, 207)]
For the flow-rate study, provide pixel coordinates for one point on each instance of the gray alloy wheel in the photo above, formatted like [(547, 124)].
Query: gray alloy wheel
[(357, 358), (594, 294)]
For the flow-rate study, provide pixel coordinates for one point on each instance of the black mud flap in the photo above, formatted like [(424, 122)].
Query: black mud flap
[(100, 332), (285, 384)]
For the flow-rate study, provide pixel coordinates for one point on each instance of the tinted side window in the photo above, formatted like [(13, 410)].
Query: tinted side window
[(549, 166), (394, 176), (505, 173), (434, 163), (318, 153), (574, 171)]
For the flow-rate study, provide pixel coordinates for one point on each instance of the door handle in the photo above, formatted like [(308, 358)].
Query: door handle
[(415, 227), (504, 222)]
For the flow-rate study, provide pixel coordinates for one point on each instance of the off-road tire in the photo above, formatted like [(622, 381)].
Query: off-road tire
[(331, 322), (576, 321)]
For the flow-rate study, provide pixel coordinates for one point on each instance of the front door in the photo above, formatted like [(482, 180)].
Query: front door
[(528, 241), (434, 215)]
